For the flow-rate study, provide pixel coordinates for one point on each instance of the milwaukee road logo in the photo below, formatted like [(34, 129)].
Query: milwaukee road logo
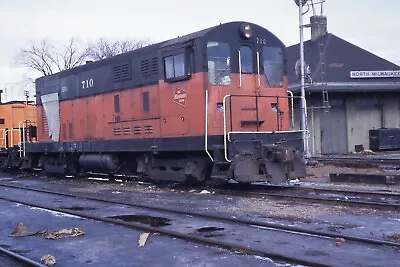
[(180, 97)]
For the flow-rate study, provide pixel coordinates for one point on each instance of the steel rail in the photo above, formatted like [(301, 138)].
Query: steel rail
[(349, 202), (295, 229), (20, 258), (188, 237), (346, 191), (314, 189), (352, 160)]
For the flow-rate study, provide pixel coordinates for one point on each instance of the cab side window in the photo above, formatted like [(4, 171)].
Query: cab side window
[(219, 68), (175, 67), (273, 66), (246, 59)]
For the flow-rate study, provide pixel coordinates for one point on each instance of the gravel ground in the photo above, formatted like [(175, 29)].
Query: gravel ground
[(237, 206), (367, 223)]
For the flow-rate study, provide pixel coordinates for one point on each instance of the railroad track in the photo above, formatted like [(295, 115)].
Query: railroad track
[(190, 237), (366, 199), (358, 160), (11, 257), (331, 196)]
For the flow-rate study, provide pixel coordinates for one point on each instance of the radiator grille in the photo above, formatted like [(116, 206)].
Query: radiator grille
[(122, 72)]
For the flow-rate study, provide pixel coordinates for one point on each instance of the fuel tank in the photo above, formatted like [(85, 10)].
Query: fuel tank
[(99, 163)]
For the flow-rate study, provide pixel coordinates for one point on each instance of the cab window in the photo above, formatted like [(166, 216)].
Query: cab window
[(273, 66), (218, 58), (246, 59), (175, 67)]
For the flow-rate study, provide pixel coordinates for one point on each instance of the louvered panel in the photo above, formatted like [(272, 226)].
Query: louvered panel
[(148, 129), (117, 130), (122, 72), (127, 130), (137, 130)]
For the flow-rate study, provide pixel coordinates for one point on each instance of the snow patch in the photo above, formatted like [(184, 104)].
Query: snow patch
[(55, 213)]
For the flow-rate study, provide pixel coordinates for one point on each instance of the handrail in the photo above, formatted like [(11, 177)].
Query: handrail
[(291, 107), (258, 69), (4, 137), (227, 134), (225, 143), (240, 70), (20, 144), (12, 137), (206, 129), (24, 139), (266, 132)]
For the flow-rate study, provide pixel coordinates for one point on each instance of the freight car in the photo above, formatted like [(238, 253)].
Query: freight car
[(209, 105), (17, 127)]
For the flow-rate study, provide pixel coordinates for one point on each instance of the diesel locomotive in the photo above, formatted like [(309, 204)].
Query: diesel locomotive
[(210, 105)]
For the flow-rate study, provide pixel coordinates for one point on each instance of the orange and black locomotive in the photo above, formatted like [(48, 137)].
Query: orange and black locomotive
[(212, 104)]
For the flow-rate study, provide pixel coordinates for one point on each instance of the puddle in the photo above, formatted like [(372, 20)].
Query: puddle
[(210, 231), (150, 220), (78, 208)]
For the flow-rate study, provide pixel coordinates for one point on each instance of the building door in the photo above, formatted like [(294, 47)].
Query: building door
[(334, 129)]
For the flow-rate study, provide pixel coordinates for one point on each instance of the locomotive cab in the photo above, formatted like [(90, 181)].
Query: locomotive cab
[(248, 103)]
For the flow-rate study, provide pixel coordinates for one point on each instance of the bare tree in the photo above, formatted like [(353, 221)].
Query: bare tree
[(70, 56), (37, 56), (46, 58), (103, 48)]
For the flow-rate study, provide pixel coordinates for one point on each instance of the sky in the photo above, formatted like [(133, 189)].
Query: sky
[(372, 25)]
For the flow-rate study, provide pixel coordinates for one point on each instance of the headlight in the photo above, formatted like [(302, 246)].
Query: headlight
[(246, 31)]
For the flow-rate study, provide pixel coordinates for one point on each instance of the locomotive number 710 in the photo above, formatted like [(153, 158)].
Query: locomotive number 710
[(261, 40), (87, 83)]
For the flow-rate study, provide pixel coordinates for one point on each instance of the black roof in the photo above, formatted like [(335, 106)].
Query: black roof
[(216, 30), (341, 57), (187, 37), (150, 49)]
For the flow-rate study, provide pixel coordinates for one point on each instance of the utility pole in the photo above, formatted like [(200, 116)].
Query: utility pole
[(304, 128), (26, 93)]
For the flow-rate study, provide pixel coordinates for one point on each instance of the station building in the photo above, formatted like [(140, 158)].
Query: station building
[(349, 91)]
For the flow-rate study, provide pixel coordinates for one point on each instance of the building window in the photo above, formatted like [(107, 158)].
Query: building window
[(2, 121), (175, 67), (219, 57), (273, 66), (246, 59)]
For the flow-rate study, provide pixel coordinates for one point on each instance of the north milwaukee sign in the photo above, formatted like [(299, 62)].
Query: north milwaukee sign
[(375, 74)]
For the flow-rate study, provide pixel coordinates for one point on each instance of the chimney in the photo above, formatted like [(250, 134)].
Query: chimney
[(318, 26)]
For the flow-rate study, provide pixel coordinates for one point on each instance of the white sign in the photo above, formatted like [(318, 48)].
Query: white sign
[(375, 74)]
